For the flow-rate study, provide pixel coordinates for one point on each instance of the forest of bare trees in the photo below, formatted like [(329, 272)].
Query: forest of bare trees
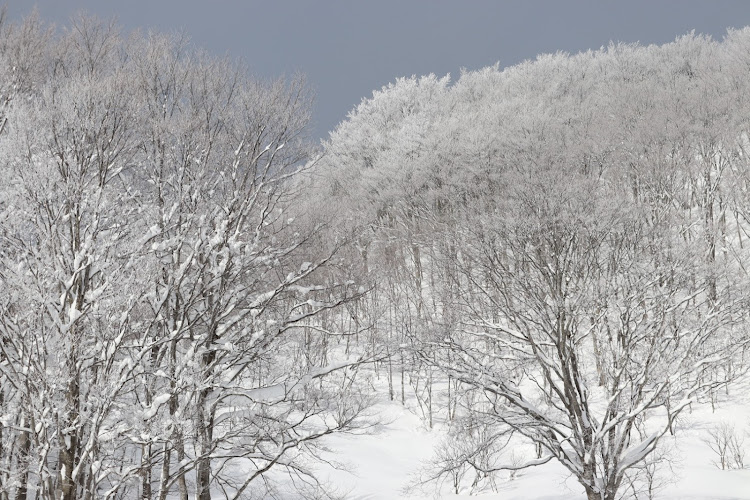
[(559, 250), (193, 295)]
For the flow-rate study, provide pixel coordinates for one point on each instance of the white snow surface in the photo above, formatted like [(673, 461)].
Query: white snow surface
[(380, 464)]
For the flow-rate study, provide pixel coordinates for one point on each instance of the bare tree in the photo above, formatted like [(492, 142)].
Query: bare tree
[(559, 267)]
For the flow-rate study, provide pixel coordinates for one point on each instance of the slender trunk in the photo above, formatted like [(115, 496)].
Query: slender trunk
[(204, 427), (203, 462), (598, 360), (24, 447), (181, 482), (146, 466), (417, 277), (389, 354), (164, 477), (69, 440), (391, 393), (709, 228), (403, 388), (429, 396), (176, 437), (3, 476), (88, 488), (146, 472)]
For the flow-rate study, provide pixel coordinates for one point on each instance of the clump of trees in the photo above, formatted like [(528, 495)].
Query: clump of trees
[(559, 249), (167, 314)]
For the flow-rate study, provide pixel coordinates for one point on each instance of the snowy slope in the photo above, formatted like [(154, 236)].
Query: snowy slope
[(381, 464)]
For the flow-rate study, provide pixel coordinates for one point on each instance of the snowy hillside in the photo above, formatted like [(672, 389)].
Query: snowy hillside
[(531, 282), (383, 464)]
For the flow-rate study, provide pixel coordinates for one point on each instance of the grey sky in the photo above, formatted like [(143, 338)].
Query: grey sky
[(348, 48)]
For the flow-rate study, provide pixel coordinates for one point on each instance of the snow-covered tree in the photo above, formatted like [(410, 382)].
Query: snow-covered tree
[(160, 288), (566, 265)]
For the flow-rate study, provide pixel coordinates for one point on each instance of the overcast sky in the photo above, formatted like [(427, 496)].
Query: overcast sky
[(349, 48)]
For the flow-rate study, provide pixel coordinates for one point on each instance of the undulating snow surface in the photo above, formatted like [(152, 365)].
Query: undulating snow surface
[(381, 464)]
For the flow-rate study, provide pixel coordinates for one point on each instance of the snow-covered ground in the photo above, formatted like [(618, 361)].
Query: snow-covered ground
[(383, 462)]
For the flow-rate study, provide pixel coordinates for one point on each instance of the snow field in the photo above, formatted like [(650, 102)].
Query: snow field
[(381, 464)]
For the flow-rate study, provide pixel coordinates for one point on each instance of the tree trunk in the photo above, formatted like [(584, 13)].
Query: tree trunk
[(146, 472), (69, 443), (417, 277), (203, 465), (24, 447), (181, 482), (164, 478), (3, 475), (204, 433)]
